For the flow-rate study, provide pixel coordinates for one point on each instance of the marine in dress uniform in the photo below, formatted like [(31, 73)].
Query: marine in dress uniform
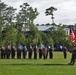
[(13, 49), (35, 52), (24, 52), (3, 52), (30, 52), (50, 52), (18, 52)]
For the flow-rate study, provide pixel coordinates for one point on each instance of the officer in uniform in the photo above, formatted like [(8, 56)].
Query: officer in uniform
[(3, 52), (72, 62), (13, 49), (64, 52), (24, 52), (40, 53), (50, 52), (30, 52), (8, 50), (35, 52), (44, 52), (18, 52)]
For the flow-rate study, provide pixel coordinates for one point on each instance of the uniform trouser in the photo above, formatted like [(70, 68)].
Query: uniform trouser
[(73, 58), (50, 55), (35, 55), (13, 55), (47, 54), (65, 54), (24, 55), (40, 55), (8, 55), (30, 55), (1, 55), (19, 55)]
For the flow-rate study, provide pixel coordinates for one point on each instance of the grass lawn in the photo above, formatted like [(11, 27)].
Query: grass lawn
[(56, 66)]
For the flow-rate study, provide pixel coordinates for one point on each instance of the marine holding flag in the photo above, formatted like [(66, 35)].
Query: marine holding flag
[(75, 32), (73, 38), (72, 35)]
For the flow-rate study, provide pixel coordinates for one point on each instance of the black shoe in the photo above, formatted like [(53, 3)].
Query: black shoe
[(72, 64)]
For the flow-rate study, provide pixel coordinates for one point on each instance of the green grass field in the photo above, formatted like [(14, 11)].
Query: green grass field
[(56, 66)]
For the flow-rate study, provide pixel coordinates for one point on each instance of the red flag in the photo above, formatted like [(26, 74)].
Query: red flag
[(72, 35), (75, 33)]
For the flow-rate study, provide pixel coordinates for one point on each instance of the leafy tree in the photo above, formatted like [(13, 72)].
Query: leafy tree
[(11, 35), (29, 40), (35, 35), (0, 28), (50, 11), (48, 24), (2, 10), (9, 15), (20, 38), (50, 40), (59, 35), (26, 16), (24, 21), (45, 39)]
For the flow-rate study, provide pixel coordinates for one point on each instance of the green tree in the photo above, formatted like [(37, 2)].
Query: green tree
[(50, 40), (59, 35), (33, 35), (36, 35), (50, 11), (2, 10), (21, 38), (24, 22), (11, 35), (45, 39), (9, 15), (25, 17)]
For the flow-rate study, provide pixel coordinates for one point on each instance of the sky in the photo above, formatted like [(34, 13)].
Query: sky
[(65, 14)]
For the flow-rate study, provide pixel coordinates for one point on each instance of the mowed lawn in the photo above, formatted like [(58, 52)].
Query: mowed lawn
[(56, 66)]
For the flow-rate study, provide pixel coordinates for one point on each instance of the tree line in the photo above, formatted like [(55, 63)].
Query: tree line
[(14, 25)]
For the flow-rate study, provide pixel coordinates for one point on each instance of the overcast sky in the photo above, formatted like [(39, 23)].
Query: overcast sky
[(65, 14)]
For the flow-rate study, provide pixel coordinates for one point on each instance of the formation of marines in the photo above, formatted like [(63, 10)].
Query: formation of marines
[(17, 52), (39, 52)]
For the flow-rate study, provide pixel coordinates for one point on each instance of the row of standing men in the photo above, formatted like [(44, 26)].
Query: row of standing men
[(10, 52)]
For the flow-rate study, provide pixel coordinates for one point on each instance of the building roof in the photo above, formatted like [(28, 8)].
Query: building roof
[(45, 28)]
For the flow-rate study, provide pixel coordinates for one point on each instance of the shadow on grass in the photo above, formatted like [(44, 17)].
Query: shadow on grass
[(27, 64)]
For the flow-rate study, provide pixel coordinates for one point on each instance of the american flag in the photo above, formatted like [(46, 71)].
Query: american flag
[(72, 35)]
